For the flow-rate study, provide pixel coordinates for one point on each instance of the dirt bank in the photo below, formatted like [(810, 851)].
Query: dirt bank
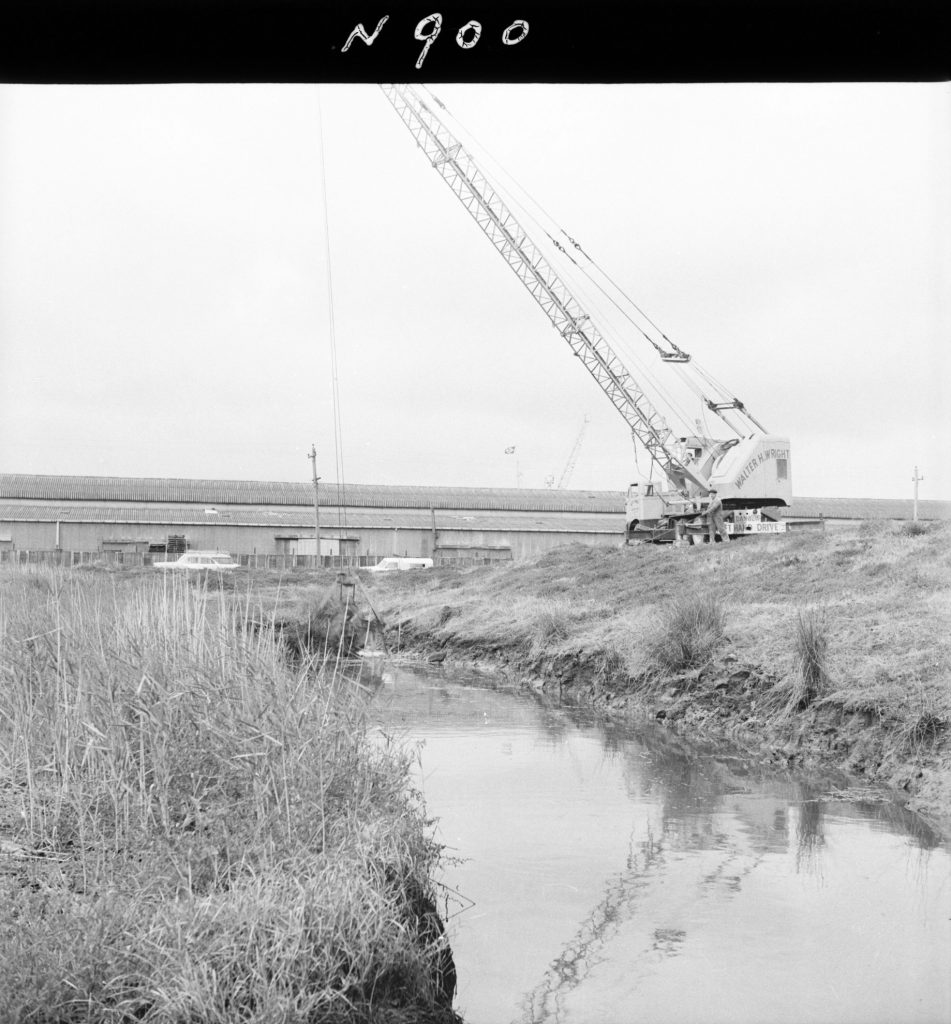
[(815, 650)]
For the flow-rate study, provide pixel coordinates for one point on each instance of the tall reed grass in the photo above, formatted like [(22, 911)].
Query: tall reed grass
[(194, 829)]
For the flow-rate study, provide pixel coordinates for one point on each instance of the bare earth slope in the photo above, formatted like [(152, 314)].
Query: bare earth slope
[(815, 650)]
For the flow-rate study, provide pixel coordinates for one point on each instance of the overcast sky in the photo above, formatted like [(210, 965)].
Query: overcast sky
[(164, 301)]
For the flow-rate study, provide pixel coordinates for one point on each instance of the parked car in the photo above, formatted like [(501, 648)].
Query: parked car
[(396, 564), (207, 561)]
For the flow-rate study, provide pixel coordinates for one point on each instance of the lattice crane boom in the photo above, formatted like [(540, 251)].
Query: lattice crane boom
[(461, 172), (573, 457)]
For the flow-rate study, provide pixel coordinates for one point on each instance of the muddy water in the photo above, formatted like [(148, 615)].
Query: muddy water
[(613, 874)]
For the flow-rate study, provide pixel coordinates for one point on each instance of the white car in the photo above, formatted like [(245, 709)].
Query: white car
[(207, 561), (396, 564)]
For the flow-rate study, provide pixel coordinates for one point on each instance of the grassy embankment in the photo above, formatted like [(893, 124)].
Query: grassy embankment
[(815, 649), (194, 829)]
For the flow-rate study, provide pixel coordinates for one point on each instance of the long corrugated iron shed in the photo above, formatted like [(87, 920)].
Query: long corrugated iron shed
[(161, 490), (865, 508)]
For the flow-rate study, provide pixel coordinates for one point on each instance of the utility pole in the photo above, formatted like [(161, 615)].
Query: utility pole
[(915, 480), (313, 466)]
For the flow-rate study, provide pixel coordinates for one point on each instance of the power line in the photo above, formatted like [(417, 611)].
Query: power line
[(335, 382)]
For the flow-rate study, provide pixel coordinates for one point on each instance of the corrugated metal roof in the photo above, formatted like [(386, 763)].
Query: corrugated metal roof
[(152, 489), (228, 496), (293, 520), (36, 487), (866, 508)]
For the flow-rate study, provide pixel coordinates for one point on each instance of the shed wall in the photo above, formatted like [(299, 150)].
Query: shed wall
[(412, 542)]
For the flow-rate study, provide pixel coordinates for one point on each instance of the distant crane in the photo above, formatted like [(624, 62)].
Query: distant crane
[(573, 457)]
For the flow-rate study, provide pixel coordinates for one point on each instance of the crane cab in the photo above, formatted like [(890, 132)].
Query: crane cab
[(644, 502), (648, 512)]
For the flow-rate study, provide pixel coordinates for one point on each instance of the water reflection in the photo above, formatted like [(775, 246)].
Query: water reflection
[(622, 873), (586, 948), (809, 834)]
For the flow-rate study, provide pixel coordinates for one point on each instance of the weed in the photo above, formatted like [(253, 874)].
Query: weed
[(812, 646), (552, 625), (877, 569), (687, 633), (871, 528), (809, 677), (319, 622), (844, 555), (924, 717), (915, 528)]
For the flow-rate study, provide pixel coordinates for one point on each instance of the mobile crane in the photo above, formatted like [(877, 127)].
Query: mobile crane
[(713, 485)]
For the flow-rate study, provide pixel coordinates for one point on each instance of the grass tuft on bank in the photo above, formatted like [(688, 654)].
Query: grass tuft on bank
[(807, 678), (687, 633), (194, 827), (812, 652)]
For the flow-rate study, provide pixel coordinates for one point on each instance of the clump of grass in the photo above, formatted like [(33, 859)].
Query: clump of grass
[(687, 634), (812, 651), (320, 622), (915, 528), (551, 626), (808, 679), (923, 717), (194, 828)]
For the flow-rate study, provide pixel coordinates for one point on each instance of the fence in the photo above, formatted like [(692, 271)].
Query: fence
[(18, 556), (139, 558), (132, 559)]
